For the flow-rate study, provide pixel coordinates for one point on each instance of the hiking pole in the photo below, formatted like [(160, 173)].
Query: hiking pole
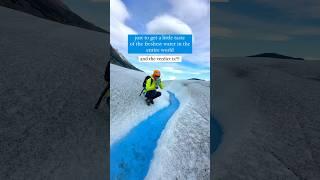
[(141, 92), (101, 96)]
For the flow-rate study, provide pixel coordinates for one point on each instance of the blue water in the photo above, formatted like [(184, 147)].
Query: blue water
[(130, 157), (216, 135)]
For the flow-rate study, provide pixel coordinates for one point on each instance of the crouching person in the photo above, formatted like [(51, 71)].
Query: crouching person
[(152, 84)]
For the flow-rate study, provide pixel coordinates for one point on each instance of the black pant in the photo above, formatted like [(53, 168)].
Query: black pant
[(153, 94)]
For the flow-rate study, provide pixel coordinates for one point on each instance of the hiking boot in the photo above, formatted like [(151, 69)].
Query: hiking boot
[(148, 102)]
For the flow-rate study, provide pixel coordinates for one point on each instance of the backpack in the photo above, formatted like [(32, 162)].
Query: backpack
[(145, 82)]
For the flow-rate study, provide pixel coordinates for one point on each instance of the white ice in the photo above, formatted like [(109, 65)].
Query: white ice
[(127, 108), (183, 150)]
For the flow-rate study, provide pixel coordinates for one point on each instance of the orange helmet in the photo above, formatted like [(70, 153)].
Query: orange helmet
[(156, 73)]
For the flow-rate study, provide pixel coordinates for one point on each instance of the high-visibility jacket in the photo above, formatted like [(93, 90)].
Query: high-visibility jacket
[(153, 86)]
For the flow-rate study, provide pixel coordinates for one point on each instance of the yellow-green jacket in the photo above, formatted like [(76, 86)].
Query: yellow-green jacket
[(154, 85)]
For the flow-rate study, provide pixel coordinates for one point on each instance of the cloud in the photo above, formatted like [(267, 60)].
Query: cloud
[(198, 72), (172, 78), (171, 69), (190, 11), (118, 29), (165, 21), (196, 14), (195, 73), (167, 24), (118, 10)]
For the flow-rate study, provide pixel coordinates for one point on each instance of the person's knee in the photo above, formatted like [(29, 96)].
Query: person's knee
[(150, 94)]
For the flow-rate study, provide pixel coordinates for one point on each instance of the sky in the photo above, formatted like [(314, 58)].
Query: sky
[(144, 16), (171, 17), (247, 27), (238, 27)]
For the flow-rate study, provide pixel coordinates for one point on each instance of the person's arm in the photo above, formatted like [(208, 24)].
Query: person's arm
[(161, 85)]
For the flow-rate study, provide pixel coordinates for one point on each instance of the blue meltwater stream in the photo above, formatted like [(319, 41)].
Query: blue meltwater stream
[(130, 157)]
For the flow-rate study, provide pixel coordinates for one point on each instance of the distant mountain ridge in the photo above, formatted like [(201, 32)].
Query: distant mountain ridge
[(275, 55), (196, 79), (118, 59), (54, 10)]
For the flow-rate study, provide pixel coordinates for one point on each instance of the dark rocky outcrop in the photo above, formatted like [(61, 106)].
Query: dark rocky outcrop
[(120, 60)]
